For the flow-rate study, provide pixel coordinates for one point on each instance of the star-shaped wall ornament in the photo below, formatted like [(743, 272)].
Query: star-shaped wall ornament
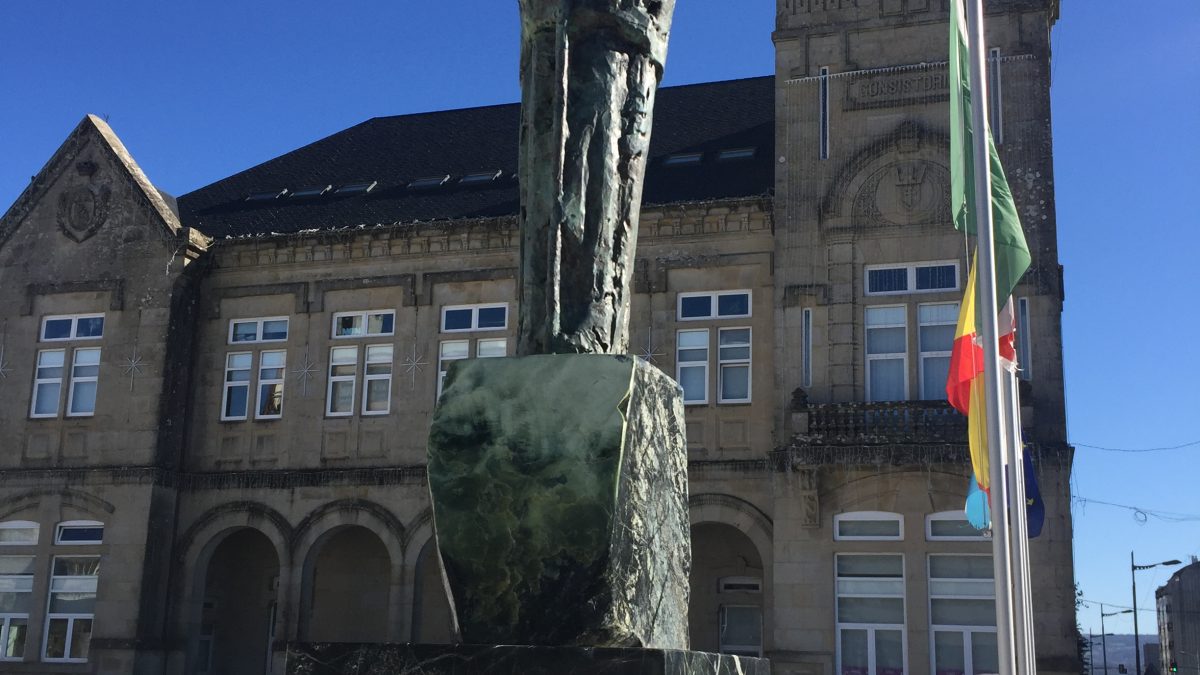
[(414, 364), (132, 365), (305, 370), (649, 353)]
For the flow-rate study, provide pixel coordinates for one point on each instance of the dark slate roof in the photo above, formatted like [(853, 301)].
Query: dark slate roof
[(395, 151)]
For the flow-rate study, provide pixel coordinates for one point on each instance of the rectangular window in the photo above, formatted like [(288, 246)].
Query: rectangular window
[(962, 613), (1024, 352), (887, 347), (16, 593), (691, 365), (911, 278), (935, 337), (271, 329), (733, 358), (377, 380), (73, 327), (870, 614), (70, 608), (868, 526), (235, 400), (824, 111), (343, 373), (806, 344), (361, 324), (716, 305), (47, 383), (85, 368), (270, 385), (464, 318), (491, 348), (741, 630), (451, 350)]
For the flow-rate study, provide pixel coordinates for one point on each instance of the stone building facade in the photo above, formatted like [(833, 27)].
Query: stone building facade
[(213, 412), (1178, 607)]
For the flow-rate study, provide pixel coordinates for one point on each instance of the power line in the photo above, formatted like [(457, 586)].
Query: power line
[(1141, 514), (1106, 449)]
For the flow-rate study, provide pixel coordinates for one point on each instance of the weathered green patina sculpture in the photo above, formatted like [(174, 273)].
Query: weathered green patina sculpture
[(559, 477), (589, 72)]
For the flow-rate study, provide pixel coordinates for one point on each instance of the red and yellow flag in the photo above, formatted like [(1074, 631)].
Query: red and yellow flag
[(964, 386)]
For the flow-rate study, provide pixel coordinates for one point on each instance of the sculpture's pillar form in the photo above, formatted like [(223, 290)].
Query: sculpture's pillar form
[(589, 71)]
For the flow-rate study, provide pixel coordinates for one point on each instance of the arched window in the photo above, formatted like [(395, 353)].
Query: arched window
[(868, 526), (79, 533), (951, 526), (18, 533)]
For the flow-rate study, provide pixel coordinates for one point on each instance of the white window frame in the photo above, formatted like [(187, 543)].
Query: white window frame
[(871, 628), (76, 379), (22, 525), (840, 518), (365, 317), (226, 385), (889, 355), (1024, 344), (444, 362), (703, 365), (823, 113), (74, 327), (78, 524), (16, 583), (39, 382), (714, 313), (922, 354), (968, 652), (352, 379), (735, 648), (260, 381), (368, 378), (258, 330), (474, 328), (71, 617), (949, 515), (748, 362), (911, 271)]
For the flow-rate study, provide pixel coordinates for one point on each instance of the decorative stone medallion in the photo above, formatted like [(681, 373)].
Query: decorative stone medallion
[(82, 210), (905, 192)]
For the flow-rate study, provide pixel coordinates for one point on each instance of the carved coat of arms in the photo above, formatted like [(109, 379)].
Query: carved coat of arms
[(82, 210)]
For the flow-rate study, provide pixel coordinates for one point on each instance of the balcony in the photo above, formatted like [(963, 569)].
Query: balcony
[(906, 422)]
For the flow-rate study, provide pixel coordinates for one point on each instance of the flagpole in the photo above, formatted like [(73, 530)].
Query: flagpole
[(1001, 550), (1022, 590)]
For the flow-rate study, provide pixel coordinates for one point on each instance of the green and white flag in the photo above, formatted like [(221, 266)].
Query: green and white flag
[(1012, 253)]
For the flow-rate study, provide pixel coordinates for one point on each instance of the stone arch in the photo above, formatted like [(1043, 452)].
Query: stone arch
[(427, 606), (195, 549), (237, 620), (83, 501), (327, 522), (732, 542), (913, 145), (889, 489)]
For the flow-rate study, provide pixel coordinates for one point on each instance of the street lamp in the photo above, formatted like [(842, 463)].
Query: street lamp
[(1103, 641), (1133, 568), (1091, 656)]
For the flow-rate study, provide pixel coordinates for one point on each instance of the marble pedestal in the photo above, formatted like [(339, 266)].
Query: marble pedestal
[(332, 658)]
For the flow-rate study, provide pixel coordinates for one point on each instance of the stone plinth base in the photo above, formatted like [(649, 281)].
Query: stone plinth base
[(335, 658)]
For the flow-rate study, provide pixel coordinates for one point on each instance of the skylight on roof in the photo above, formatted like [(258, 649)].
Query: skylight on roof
[(735, 153), (481, 177), (682, 158), (356, 188), (266, 196), (428, 182), (312, 191)]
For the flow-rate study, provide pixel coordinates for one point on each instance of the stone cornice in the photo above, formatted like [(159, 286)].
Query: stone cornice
[(456, 238)]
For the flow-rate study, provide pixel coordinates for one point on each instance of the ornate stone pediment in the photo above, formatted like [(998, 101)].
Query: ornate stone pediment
[(82, 210), (903, 192)]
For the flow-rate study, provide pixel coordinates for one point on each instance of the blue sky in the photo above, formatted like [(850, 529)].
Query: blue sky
[(198, 91)]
